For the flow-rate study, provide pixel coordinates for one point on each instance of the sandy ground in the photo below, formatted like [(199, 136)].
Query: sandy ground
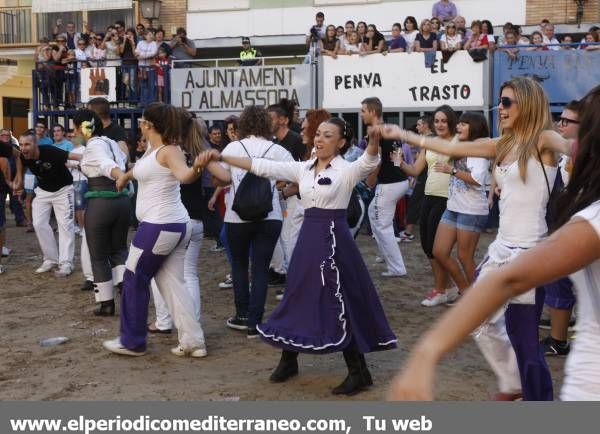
[(34, 307)]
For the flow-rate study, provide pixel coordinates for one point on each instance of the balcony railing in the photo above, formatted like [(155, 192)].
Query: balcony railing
[(59, 88)]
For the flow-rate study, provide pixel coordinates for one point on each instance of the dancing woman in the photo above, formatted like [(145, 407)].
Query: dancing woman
[(573, 250), (330, 303), (467, 208), (193, 142), (107, 215), (434, 200), (524, 168), (158, 248)]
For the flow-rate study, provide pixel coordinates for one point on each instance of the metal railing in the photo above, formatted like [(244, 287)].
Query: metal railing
[(15, 26)]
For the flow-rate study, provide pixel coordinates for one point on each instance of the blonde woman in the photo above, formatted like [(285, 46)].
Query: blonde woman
[(525, 167), (573, 250)]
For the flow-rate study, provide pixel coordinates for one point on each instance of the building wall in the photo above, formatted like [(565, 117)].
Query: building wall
[(19, 86), (172, 15), (229, 18), (561, 11)]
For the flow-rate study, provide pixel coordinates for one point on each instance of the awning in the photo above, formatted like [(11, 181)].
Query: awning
[(44, 6)]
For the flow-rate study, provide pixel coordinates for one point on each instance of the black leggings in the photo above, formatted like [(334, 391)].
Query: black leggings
[(106, 226), (431, 213)]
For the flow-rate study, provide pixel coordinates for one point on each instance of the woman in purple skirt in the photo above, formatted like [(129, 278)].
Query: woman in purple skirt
[(330, 303)]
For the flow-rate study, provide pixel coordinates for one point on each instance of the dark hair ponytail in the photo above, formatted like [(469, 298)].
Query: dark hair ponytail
[(345, 132), (86, 115)]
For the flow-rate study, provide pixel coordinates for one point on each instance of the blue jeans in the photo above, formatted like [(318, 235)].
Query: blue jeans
[(262, 236)]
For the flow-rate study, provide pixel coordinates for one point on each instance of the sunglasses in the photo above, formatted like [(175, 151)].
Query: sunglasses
[(564, 122), (506, 102)]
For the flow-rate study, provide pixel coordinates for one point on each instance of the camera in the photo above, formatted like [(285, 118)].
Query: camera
[(314, 33)]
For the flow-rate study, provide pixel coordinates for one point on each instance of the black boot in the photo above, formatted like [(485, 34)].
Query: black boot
[(87, 286), (356, 381), (287, 368), (365, 371), (106, 308)]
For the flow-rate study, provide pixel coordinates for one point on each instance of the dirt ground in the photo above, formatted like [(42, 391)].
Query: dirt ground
[(34, 307)]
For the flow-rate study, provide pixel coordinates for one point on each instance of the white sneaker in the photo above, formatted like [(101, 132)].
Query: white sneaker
[(452, 294), (379, 260), (435, 298), (64, 270), (392, 274), (115, 346), (194, 352), (227, 283), (2, 269), (46, 266), (5, 251)]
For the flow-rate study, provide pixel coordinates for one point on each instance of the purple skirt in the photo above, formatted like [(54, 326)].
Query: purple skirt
[(329, 299)]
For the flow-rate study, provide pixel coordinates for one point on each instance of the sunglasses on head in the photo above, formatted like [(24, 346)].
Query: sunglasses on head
[(506, 102)]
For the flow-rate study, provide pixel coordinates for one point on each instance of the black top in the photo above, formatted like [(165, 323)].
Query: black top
[(115, 132), (50, 169), (191, 196), (388, 173), (426, 43), (293, 143), (6, 149)]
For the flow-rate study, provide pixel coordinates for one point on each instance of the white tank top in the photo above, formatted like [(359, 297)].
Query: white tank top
[(523, 205), (158, 198)]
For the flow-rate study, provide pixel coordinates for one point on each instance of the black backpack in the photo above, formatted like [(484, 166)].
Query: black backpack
[(253, 200)]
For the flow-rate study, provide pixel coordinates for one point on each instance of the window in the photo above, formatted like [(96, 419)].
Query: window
[(47, 22), (15, 26), (100, 20), (15, 114), (221, 5)]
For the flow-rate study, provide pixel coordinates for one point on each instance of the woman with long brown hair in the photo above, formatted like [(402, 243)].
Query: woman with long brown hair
[(158, 247), (525, 167), (572, 250)]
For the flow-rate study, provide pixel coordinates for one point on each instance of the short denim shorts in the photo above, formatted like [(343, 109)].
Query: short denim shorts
[(465, 222)]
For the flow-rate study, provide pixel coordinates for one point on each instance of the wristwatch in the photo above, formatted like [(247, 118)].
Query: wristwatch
[(454, 171)]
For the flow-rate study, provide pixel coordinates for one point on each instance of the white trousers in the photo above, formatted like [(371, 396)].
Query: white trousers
[(164, 319), (381, 214), (289, 235), (493, 341), (62, 202), (291, 225), (86, 262)]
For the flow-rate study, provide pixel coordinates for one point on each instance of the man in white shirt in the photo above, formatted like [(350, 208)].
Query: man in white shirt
[(549, 37)]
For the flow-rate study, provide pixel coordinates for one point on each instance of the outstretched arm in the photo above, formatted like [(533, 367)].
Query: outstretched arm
[(560, 255), (553, 141), (485, 148)]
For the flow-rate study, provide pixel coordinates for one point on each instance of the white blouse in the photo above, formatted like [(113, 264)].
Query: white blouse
[(330, 189), (582, 379), (101, 156)]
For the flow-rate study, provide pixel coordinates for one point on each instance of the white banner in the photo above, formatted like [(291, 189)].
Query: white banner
[(44, 6), (98, 82), (402, 81), (232, 89)]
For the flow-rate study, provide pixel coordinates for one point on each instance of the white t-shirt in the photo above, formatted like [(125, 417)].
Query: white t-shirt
[(451, 41), (256, 146), (410, 39), (468, 198), (582, 370)]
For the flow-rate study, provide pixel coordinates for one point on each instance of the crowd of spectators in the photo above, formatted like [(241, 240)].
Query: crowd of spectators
[(141, 55), (445, 31)]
